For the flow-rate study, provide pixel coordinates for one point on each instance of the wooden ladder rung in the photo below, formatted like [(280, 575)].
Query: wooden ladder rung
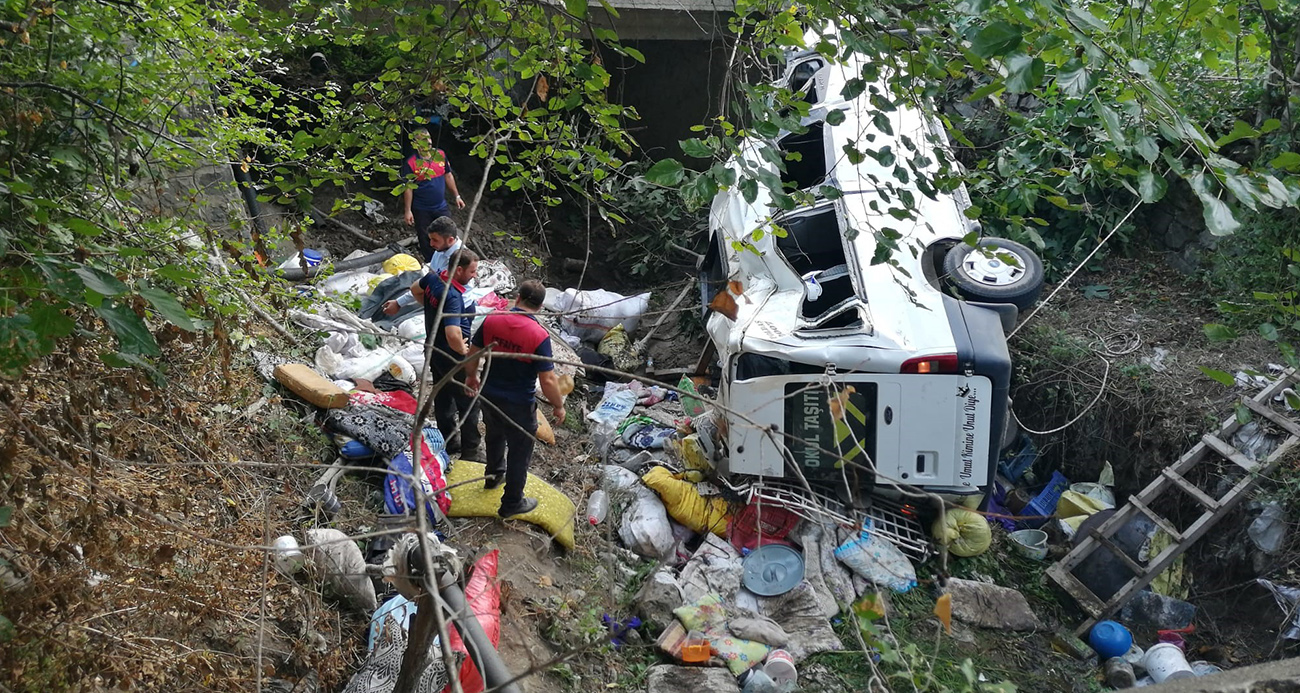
[(1090, 602), (1267, 412), (1133, 566), (1232, 454), (1161, 522), (1190, 488)]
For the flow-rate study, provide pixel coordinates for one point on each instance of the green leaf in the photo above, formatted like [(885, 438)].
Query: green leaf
[(1111, 122), (696, 149), (1218, 376), (577, 8), (1024, 73), (1219, 333), (830, 192), (1268, 5), (668, 172), (1151, 187), (834, 117), (1075, 79), (1292, 399), (1269, 126), (48, 320), (6, 514), (1147, 148), (1240, 131), (7, 630), (699, 191), (169, 308), (1269, 331), (1218, 216), (132, 334), (1242, 412), (99, 281), (998, 38), (1289, 161)]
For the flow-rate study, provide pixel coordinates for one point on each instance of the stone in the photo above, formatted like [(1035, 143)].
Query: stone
[(658, 597), (991, 606), (670, 678), (1149, 609)]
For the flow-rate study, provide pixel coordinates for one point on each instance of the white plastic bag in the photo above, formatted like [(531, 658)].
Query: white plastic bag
[(414, 354), (878, 560), (412, 328), (328, 361), (367, 367), (617, 478), (352, 283), (645, 528), (402, 369), (591, 314), (613, 408)]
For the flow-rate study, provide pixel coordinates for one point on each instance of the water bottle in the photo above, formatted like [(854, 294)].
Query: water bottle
[(597, 506)]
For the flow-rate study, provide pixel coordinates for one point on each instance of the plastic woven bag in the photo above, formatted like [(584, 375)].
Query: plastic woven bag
[(878, 561), (965, 532)]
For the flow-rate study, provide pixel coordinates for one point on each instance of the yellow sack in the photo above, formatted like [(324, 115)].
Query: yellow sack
[(554, 512), (1074, 504), (545, 433), (965, 532), (400, 263), (618, 347), (374, 281), (686, 505)]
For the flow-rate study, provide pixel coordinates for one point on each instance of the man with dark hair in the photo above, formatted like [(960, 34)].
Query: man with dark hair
[(508, 387), (444, 244), (433, 180), (452, 405)]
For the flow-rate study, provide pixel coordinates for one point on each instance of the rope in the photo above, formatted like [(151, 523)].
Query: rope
[(1075, 270)]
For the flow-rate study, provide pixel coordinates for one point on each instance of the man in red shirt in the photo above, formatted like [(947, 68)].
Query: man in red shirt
[(433, 180), (510, 415)]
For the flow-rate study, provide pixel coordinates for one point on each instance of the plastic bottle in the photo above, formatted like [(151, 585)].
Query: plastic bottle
[(597, 506)]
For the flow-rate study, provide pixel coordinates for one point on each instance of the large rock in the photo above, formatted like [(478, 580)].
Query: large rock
[(668, 678), (990, 606), (658, 597)]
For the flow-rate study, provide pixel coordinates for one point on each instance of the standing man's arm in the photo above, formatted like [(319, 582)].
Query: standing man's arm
[(550, 384), (407, 196), (551, 388), (455, 194)]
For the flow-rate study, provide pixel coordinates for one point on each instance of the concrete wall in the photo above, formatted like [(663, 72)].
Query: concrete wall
[(677, 87)]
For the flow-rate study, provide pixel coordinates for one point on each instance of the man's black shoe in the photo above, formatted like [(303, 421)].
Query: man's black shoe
[(493, 481), (526, 505)]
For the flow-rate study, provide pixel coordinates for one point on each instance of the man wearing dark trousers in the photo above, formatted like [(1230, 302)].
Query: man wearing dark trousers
[(510, 415), (453, 405), (433, 179)]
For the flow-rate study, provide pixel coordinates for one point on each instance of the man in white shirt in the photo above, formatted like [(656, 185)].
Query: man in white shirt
[(443, 239)]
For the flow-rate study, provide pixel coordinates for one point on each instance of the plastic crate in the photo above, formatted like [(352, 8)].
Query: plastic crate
[(1044, 504), (1013, 466)]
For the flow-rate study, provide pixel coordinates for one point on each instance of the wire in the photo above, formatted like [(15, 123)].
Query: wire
[(1075, 420), (1075, 271)]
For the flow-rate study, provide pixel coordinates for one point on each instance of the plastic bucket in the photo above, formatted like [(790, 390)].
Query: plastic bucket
[(1166, 662), (780, 666), (1030, 543), (313, 257)]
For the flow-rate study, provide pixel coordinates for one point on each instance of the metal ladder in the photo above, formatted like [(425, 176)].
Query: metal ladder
[(1210, 448)]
